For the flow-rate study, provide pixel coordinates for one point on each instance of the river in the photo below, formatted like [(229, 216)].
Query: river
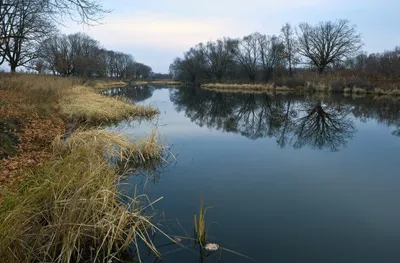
[(291, 177)]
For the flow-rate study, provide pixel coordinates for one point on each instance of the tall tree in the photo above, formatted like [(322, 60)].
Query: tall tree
[(289, 41), (247, 54), (271, 54), (328, 42), (23, 27), (219, 56)]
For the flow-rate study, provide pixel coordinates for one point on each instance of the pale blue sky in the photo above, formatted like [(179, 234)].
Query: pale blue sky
[(157, 31)]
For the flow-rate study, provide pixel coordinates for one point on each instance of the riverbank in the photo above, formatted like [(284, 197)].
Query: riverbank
[(59, 195), (159, 82), (295, 85)]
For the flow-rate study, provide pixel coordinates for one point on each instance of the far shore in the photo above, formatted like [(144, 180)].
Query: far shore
[(310, 87), (158, 82)]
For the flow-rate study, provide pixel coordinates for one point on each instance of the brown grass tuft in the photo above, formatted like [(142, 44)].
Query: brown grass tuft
[(85, 105), (70, 209)]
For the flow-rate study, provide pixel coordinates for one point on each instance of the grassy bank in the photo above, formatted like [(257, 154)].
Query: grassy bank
[(82, 104), (70, 209), (35, 108), (159, 82), (59, 199), (314, 83), (244, 87)]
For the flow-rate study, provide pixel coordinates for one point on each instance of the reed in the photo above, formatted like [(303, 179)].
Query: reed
[(70, 209)]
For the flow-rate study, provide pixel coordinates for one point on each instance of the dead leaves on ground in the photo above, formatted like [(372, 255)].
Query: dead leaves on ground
[(35, 135)]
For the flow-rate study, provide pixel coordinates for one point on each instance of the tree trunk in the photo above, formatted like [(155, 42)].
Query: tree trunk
[(13, 68)]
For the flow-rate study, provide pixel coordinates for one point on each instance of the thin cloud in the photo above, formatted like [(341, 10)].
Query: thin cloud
[(160, 30)]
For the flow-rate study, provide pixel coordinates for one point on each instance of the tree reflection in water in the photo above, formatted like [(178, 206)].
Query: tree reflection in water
[(323, 127), (322, 124), (133, 93)]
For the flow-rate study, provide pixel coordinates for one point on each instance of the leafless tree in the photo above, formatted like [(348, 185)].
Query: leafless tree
[(328, 42), (191, 67), (219, 56), (23, 26), (290, 46), (248, 53), (81, 11), (271, 54)]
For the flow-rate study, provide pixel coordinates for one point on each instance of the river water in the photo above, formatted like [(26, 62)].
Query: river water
[(291, 178)]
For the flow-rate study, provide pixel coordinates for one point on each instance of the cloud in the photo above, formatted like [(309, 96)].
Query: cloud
[(160, 30)]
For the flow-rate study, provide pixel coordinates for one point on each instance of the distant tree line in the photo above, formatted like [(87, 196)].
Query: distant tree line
[(262, 58), (386, 64), (80, 55), (29, 38)]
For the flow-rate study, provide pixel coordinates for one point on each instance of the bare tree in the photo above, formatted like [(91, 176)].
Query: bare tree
[(191, 67), (81, 11), (23, 26), (328, 42), (247, 54), (219, 56), (271, 54), (289, 41)]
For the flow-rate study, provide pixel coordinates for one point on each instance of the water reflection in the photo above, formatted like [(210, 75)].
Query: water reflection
[(133, 93), (323, 126), (318, 121), (291, 120)]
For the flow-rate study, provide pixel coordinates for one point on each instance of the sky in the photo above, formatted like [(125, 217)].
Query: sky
[(157, 31)]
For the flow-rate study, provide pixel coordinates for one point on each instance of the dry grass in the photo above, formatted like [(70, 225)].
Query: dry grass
[(38, 88), (102, 84), (159, 82), (117, 146), (85, 105), (308, 82), (52, 95), (245, 87), (70, 209)]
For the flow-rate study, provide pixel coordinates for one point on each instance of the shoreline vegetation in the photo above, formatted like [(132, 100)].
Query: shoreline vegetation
[(322, 57), (59, 200), (159, 82), (339, 86)]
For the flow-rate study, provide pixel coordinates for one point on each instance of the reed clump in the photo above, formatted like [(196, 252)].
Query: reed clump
[(84, 105), (70, 209), (111, 146), (200, 227)]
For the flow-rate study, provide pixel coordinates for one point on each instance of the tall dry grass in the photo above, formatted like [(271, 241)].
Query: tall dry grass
[(84, 105), (68, 96), (38, 88), (70, 209)]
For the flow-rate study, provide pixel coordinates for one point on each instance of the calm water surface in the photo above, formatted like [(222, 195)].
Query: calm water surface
[(292, 178)]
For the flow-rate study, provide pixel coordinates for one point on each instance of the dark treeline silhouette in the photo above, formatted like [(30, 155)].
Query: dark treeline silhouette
[(29, 38), (323, 122), (80, 55), (296, 51)]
